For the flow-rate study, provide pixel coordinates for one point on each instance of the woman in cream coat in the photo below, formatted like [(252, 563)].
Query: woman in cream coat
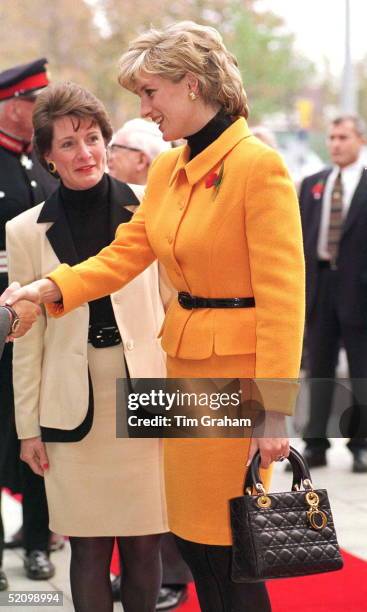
[(98, 485), (221, 214)]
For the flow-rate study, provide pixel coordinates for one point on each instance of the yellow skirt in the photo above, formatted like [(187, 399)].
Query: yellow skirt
[(203, 474)]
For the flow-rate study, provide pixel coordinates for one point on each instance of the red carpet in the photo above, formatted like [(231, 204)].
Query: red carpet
[(343, 591)]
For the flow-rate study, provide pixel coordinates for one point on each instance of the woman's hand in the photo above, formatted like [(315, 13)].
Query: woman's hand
[(8, 292), (38, 292), (33, 452), (27, 313), (271, 449), (270, 438)]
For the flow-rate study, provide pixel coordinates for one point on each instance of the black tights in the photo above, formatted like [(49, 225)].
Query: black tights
[(210, 567), (90, 573)]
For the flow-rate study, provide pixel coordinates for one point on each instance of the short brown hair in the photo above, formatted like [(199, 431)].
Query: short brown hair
[(62, 99), (188, 47)]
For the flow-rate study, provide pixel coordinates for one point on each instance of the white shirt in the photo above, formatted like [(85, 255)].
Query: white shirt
[(350, 177)]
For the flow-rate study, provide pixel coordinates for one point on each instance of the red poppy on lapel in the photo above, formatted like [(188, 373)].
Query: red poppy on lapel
[(318, 189), (211, 180), (215, 180)]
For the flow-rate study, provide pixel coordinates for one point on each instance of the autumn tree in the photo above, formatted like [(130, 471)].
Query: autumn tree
[(83, 40), (273, 72), (63, 31)]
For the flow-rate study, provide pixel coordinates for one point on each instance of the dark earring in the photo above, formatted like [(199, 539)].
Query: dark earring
[(52, 167)]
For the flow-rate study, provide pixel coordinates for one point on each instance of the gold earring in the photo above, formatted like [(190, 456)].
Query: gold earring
[(52, 167), (192, 95)]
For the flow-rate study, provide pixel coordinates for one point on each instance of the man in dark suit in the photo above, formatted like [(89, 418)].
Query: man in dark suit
[(334, 220), (23, 183)]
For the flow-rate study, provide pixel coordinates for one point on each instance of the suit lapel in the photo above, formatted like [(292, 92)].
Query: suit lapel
[(316, 204), (359, 199), (58, 234)]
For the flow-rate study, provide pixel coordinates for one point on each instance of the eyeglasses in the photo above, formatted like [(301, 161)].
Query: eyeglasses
[(113, 147)]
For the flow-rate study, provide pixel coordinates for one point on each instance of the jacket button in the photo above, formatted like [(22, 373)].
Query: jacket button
[(181, 205), (170, 239), (129, 345)]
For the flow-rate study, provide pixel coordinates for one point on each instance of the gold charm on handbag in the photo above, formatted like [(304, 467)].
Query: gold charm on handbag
[(317, 518)]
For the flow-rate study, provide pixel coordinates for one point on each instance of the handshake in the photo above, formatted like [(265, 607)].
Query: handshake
[(17, 319)]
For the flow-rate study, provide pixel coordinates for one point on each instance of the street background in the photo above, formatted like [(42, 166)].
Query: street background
[(297, 61)]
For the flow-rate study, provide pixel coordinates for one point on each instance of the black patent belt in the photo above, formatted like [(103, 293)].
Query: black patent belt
[(104, 336), (191, 301)]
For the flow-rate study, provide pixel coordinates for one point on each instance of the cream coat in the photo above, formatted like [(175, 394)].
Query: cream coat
[(50, 362)]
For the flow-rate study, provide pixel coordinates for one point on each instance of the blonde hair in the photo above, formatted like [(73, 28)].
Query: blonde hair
[(187, 47)]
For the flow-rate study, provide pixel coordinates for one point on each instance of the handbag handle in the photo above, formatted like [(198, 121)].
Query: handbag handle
[(301, 473)]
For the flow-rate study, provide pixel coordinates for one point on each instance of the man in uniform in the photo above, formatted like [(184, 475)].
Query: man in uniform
[(23, 183)]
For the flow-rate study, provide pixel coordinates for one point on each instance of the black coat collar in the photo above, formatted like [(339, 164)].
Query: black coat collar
[(321, 176), (357, 203), (359, 200), (59, 235)]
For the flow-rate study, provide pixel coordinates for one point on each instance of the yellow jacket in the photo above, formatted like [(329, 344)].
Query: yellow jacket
[(238, 238)]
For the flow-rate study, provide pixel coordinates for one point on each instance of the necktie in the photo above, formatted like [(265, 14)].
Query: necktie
[(336, 220)]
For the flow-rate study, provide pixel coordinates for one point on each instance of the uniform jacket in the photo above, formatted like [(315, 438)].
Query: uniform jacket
[(23, 183), (50, 362), (225, 224), (352, 257)]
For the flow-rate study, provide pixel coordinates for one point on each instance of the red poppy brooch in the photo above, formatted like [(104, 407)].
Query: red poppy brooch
[(214, 181), (318, 189)]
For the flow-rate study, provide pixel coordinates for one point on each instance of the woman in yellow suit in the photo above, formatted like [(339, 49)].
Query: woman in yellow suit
[(221, 214)]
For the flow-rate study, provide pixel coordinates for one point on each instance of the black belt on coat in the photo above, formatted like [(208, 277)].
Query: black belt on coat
[(192, 301), (104, 336)]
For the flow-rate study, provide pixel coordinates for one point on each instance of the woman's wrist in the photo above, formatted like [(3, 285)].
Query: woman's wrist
[(48, 291)]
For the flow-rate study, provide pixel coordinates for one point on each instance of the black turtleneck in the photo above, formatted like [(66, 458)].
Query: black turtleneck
[(210, 132), (87, 212), (88, 215)]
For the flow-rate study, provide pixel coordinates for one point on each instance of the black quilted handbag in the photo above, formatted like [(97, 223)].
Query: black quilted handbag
[(282, 535)]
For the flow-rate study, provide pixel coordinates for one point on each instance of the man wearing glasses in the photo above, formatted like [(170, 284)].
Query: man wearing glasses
[(132, 150)]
